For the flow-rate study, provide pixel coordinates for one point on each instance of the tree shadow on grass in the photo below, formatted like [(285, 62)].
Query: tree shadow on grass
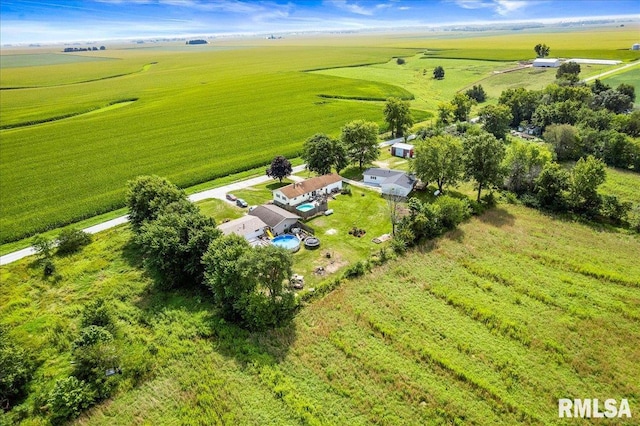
[(275, 185), (191, 314), (497, 217)]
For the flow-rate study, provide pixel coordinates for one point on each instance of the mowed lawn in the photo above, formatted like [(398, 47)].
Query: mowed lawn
[(198, 115), (490, 324)]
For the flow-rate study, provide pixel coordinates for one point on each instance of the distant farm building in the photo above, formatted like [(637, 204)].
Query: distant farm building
[(635, 46), (402, 150), (546, 63), (391, 182), (198, 41), (300, 192), (595, 61)]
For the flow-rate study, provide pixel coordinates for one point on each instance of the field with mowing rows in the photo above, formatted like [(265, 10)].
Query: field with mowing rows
[(488, 325)]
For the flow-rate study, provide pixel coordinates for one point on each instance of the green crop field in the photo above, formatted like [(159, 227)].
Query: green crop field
[(490, 324), (195, 117), (76, 132)]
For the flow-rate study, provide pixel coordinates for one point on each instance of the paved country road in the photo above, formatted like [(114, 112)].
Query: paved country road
[(218, 193)]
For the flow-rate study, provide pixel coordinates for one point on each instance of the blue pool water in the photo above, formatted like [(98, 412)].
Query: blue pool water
[(290, 242), (305, 207)]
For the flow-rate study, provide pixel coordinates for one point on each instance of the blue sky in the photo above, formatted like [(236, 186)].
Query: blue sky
[(60, 21)]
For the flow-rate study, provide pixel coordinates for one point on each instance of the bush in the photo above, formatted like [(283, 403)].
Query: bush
[(92, 335), (346, 190), (530, 201), (68, 398), (612, 208), (97, 313), (15, 369), (71, 240), (633, 217), (452, 211), (357, 269), (400, 61)]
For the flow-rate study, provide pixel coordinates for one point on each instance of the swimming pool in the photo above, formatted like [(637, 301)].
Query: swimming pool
[(288, 241), (305, 207)]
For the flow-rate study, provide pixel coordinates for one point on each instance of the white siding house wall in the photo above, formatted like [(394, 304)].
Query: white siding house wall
[(373, 180), (394, 189), (284, 226)]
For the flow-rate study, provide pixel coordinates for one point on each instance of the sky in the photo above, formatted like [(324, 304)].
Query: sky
[(53, 21)]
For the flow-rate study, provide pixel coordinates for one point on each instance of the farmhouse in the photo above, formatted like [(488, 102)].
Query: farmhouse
[(402, 150), (546, 62), (278, 219), (299, 192), (392, 182), (249, 227)]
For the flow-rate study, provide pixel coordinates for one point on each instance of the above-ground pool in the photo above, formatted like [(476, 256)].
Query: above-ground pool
[(305, 207), (288, 241)]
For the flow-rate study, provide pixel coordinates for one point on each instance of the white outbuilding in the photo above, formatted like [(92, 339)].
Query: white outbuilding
[(547, 62), (636, 46)]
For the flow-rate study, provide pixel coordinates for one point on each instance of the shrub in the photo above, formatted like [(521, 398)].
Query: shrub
[(530, 201), (346, 190), (97, 313), (633, 217), (71, 240), (15, 369), (452, 211), (400, 61), (92, 335), (612, 208), (68, 398), (357, 269)]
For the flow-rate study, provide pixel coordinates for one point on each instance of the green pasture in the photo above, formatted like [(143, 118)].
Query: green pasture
[(490, 324), (631, 76)]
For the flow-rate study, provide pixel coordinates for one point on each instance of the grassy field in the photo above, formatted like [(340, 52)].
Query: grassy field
[(488, 325), (631, 76)]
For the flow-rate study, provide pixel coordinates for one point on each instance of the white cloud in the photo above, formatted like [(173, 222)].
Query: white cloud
[(350, 7), (501, 7)]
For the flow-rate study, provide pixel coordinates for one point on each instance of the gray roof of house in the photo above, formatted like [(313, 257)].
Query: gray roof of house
[(242, 226), (403, 180), (386, 173), (272, 215)]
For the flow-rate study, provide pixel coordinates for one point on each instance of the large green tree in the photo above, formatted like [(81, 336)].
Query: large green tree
[(398, 116), (496, 119), (522, 103), (223, 275), (322, 153), (361, 140), (541, 50), (483, 155), (174, 244), (461, 106), (147, 196), (564, 140), (551, 185), (523, 164), (568, 71), (586, 176), (439, 159)]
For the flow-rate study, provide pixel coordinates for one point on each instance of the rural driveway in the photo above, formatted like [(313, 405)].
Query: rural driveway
[(610, 72), (218, 193)]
